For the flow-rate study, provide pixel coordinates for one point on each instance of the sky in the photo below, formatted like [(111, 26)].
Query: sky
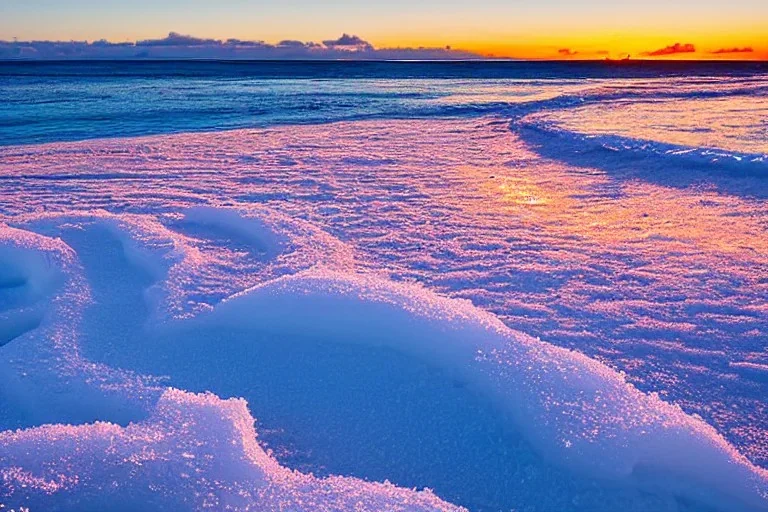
[(502, 28)]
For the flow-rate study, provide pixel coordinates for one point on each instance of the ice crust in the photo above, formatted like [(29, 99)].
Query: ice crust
[(574, 410), (119, 436), (195, 452)]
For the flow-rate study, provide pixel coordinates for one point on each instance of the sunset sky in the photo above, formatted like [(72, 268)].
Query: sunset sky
[(505, 28)]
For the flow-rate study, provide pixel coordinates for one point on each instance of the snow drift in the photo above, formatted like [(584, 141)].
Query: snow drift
[(183, 451), (195, 452), (574, 410)]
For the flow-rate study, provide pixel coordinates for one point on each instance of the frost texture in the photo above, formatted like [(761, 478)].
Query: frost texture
[(112, 321)]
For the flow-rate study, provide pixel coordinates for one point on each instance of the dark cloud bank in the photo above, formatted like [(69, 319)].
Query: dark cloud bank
[(722, 51), (179, 46), (671, 50), (567, 52)]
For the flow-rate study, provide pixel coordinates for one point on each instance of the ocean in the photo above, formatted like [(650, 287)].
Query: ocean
[(523, 285), (62, 101)]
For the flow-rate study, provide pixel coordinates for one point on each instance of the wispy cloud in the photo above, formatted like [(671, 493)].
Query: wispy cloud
[(746, 49), (671, 50), (180, 46), (567, 52)]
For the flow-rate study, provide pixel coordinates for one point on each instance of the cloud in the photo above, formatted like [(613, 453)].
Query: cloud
[(746, 49), (671, 50), (348, 42), (176, 39), (567, 52), (246, 44), (181, 46), (290, 43)]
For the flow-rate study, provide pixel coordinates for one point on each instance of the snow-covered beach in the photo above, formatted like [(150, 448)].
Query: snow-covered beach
[(525, 294)]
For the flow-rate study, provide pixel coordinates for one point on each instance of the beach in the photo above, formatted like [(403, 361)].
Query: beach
[(534, 290)]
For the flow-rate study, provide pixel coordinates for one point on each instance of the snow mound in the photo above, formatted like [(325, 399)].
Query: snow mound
[(190, 274), (179, 451), (195, 452), (45, 378), (575, 411)]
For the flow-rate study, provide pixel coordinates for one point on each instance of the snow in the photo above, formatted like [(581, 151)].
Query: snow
[(574, 410), (195, 452), (575, 413), (157, 300)]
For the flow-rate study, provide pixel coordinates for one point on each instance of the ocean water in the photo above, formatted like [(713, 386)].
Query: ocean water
[(62, 101), (523, 286)]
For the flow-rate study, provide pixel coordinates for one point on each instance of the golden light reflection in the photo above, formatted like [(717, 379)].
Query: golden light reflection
[(523, 195)]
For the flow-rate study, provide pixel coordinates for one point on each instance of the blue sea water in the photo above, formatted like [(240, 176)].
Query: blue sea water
[(59, 101), (355, 248)]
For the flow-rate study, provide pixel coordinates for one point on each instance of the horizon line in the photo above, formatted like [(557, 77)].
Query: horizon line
[(178, 46), (479, 59)]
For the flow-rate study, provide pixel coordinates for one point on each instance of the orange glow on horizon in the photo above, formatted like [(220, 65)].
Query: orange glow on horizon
[(596, 42), (548, 29), (742, 47)]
